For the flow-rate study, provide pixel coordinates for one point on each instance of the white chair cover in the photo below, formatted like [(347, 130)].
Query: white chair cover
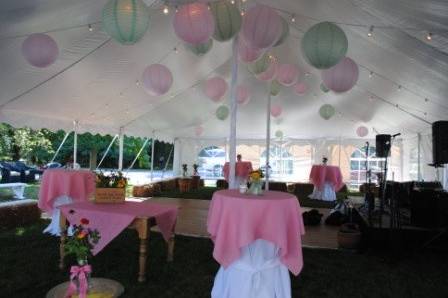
[(258, 273), (53, 228), (327, 194)]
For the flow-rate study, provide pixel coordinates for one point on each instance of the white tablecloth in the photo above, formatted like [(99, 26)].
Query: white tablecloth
[(327, 194), (54, 227), (258, 273)]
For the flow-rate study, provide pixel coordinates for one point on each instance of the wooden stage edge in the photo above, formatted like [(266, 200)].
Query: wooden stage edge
[(192, 222)]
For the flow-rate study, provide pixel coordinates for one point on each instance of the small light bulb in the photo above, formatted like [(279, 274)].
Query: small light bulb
[(90, 27), (232, 1), (370, 34), (371, 74), (166, 10), (293, 18), (175, 50), (137, 82), (429, 36), (243, 12)]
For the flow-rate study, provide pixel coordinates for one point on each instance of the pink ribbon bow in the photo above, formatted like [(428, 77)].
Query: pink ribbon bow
[(80, 272)]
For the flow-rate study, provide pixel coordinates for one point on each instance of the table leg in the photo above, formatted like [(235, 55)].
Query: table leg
[(63, 229), (141, 225), (170, 255)]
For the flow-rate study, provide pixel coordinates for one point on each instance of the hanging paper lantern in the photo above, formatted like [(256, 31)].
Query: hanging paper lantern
[(262, 26), (341, 77), (300, 88), (279, 134), (157, 79), (40, 50), (270, 73), (200, 49), (227, 19), (285, 33), (324, 88), (327, 111), (261, 65), (242, 95), (362, 131), (198, 131), (324, 45), (193, 23), (275, 88), (222, 112), (215, 88), (246, 53), (276, 111), (287, 74), (126, 21)]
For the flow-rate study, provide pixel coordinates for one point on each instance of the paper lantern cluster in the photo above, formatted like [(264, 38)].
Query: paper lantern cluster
[(327, 111), (215, 88), (275, 88), (260, 65), (242, 94), (300, 88), (279, 134), (284, 34), (194, 23), (362, 131), (270, 73), (126, 21), (276, 111), (200, 49), (341, 77), (227, 20), (324, 88), (157, 79), (222, 112), (324, 45), (287, 74), (40, 50), (246, 53), (198, 131), (262, 27)]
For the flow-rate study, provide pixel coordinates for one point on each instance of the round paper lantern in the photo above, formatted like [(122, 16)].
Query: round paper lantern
[(276, 111), (327, 111), (198, 131), (275, 88), (341, 77), (200, 49), (284, 34), (324, 88), (242, 95), (246, 53), (287, 74), (40, 50), (279, 134), (222, 112), (300, 88), (193, 23), (270, 73), (227, 19), (324, 45), (262, 27), (157, 79), (261, 65), (215, 88), (126, 21), (362, 131)]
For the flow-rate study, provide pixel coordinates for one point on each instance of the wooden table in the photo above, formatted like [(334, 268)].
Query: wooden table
[(104, 286), (143, 227)]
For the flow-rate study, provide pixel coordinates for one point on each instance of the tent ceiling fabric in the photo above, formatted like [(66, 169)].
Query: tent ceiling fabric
[(95, 77)]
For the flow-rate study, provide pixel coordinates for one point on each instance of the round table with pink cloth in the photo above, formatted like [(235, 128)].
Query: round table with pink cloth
[(257, 239), (327, 180)]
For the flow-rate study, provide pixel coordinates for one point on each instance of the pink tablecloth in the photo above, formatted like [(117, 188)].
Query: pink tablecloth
[(236, 220), (111, 219), (77, 185), (242, 169), (320, 174)]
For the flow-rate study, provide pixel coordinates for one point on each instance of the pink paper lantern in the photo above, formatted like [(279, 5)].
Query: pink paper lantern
[(198, 131), (157, 79), (194, 23), (362, 131), (341, 77), (300, 88), (246, 53), (276, 111), (215, 88), (287, 74), (270, 73), (262, 27), (242, 95), (40, 50)]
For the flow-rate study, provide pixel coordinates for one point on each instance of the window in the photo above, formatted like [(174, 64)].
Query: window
[(358, 167), (413, 164), (211, 160)]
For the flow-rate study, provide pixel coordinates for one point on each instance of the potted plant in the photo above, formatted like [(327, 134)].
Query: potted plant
[(195, 179), (110, 189), (256, 184), (184, 170)]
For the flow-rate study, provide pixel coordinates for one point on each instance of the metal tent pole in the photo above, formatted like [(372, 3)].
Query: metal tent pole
[(75, 142), (268, 137), (60, 145), (120, 149), (138, 154), (233, 110), (107, 151), (419, 144), (167, 161), (152, 157)]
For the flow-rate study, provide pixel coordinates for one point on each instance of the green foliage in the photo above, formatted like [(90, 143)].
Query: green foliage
[(114, 180), (82, 241)]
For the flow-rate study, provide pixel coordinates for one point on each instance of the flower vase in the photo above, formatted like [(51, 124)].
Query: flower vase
[(83, 263), (256, 188)]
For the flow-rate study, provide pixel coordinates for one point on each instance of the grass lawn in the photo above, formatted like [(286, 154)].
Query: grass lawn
[(29, 268)]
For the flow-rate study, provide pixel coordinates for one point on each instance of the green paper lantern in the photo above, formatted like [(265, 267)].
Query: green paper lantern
[(227, 20), (324, 45), (275, 88), (260, 65), (279, 134), (126, 21), (200, 49), (327, 111), (324, 88), (285, 33), (222, 112)]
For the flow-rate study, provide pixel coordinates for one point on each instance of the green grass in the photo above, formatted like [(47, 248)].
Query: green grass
[(31, 192), (29, 269)]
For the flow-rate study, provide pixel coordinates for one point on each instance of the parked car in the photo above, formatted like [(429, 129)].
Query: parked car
[(18, 171), (9, 173), (52, 165)]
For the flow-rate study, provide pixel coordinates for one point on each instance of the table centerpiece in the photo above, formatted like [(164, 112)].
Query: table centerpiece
[(256, 184), (110, 189)]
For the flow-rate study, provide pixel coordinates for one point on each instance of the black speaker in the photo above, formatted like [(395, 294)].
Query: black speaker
[(383, 145), (440, 142)]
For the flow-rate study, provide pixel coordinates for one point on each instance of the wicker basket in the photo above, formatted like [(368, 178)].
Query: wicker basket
[(110, 195)]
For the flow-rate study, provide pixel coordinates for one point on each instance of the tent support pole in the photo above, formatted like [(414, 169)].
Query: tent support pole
[(75, 142), (167, 161), (419, 144), (138, 154), (107, 151), (152, 157), (120, 149), (60, 145), (233, 110), (268, 137)]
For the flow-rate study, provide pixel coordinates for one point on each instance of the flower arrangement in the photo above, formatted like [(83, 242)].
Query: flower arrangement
[(255, 176), (184, 169), (82, 241), (115, 180), (195, 169), (255, 182), (111, 188)]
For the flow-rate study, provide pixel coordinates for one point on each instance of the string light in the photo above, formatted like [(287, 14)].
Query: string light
[(137, 82), (293, 18), (243, 12), (232, 1), (371, 74), (90, 27), (175, 50), (370, 34), (429, 36), (166, 10)]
